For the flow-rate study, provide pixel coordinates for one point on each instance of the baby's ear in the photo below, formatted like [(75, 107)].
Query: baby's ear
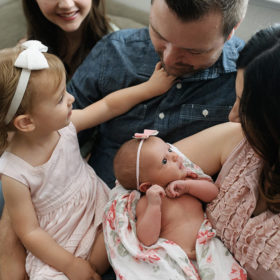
[(144, 187), (24, 123)]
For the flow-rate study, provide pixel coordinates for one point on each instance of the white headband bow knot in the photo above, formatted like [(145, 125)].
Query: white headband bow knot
[(31, 58)]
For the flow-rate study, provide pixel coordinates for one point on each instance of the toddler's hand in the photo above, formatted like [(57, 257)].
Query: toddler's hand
[(80, 269), (154, 194), (160, 80), (177, 188)]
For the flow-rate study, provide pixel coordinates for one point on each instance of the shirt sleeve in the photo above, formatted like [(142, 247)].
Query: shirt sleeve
[(86, 83)]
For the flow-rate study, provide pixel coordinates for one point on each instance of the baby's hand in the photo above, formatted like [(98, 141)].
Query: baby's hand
[(154, 194), (177, 188), (80, 269), (160, 80)]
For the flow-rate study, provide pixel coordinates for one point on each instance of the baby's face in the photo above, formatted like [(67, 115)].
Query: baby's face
[(159, 164)]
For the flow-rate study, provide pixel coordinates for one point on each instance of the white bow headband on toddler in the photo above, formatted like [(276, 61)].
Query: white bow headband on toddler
[(147, 133), (31, 58)]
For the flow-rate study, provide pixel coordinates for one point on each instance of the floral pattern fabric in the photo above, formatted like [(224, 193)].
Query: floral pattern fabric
[(131, 259)]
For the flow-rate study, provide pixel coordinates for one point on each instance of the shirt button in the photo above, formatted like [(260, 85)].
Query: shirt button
[(205, 113), (161, 116), (179, 86)]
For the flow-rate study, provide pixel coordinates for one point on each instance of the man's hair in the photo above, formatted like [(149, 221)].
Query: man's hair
[(233, 11)]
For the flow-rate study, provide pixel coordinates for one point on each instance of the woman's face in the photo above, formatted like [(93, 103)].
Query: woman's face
[(239, 84), (66, 14)]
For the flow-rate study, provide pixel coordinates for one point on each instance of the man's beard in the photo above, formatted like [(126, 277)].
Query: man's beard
[(179, 69)]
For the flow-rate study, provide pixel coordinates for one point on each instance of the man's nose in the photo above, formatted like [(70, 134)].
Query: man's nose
[(171, 54)]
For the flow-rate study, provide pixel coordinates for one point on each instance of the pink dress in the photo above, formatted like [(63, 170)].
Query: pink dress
[(68, 197), (254, 241)]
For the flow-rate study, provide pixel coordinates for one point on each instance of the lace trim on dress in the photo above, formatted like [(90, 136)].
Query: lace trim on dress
[(259, 243), (253, 241)]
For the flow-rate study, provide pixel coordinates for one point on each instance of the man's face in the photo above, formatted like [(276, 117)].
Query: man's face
[(185, 47)]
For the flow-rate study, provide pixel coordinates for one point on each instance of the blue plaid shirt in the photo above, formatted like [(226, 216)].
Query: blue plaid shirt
[(126, 58)]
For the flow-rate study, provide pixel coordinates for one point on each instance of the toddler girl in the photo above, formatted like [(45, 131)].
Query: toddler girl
[(53, 197)]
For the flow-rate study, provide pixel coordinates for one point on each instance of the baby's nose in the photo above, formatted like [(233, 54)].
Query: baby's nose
[(174, 156)]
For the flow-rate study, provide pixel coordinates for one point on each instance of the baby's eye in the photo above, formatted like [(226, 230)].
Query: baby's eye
[(164, 161)]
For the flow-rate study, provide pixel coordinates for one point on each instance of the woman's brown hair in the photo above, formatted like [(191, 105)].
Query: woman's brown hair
[(94, 27)]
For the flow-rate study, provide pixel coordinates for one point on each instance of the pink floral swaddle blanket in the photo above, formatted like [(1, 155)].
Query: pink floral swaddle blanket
[(131, 259), (164, 260)]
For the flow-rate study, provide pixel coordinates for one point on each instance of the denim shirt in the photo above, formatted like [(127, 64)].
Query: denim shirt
[(126, 58)]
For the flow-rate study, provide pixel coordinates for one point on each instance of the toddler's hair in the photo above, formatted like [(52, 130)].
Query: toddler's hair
[(125, 164), (9, 77)]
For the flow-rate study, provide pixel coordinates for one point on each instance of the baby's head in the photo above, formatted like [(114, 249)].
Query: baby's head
[(158, 164), (12, 83)]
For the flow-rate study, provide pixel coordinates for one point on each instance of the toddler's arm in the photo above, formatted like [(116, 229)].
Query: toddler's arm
[(123, 100), (37, 241), (148, 212), (200, 188)]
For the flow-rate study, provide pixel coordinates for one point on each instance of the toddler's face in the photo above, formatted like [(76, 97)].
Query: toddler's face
[(159, 164), (53, 104)]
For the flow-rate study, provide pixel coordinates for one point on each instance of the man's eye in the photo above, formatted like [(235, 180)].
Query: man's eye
[(170, 150), (164, 161)]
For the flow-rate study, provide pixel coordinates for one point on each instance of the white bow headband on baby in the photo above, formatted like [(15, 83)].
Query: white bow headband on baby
[(31, 58), (147, 133)]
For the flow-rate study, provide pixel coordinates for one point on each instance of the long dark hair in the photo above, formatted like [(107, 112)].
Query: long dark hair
[(259, 107), (95, 26)]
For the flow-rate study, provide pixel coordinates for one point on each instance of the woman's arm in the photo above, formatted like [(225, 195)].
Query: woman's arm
[(210, 148), (123, 100), (37, 241)]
